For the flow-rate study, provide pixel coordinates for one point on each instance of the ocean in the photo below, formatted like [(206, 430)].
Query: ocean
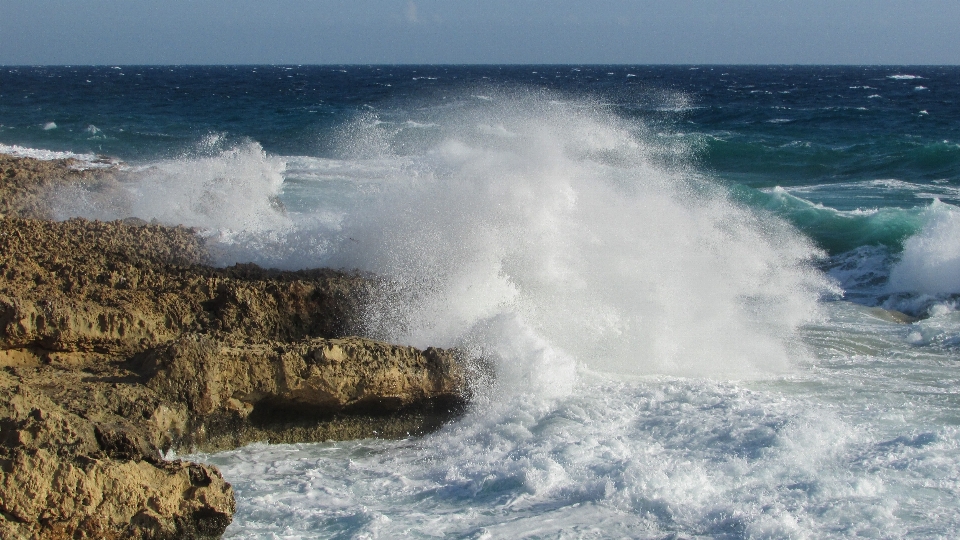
[(721, 301)]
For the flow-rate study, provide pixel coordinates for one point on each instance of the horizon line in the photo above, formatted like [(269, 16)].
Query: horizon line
[(468, 64)]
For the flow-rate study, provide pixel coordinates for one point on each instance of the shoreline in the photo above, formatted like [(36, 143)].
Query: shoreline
[(119, 342)]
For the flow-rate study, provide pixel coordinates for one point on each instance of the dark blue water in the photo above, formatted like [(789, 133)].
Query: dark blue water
[(756, 127), (766, 126)]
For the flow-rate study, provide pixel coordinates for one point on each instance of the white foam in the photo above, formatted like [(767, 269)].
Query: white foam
[(567, 228), (903, 77), (930, 262), (413, 124), (229, 195), (37, 153), (85, 161), (49, 125), (878, 188), (643, 459)]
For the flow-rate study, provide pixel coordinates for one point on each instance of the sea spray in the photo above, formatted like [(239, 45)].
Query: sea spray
[(930, 261), (562, 217), (924, 279), (550, 219), (230, 195)]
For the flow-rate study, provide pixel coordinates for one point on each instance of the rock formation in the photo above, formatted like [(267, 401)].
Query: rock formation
[(118, 342)]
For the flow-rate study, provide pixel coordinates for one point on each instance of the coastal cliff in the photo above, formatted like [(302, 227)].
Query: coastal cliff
[(119, 342)]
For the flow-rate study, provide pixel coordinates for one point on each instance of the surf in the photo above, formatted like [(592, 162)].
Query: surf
[(528, 227)]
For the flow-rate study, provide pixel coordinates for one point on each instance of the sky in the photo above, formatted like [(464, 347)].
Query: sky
[(479, 32)]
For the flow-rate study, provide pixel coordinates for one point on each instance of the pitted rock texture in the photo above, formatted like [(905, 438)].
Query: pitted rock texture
[(119, 288), (68, 476)]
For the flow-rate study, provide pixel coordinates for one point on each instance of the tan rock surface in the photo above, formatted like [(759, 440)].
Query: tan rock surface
[(118, 342), (282, 391), (68, 476), (117, 288)]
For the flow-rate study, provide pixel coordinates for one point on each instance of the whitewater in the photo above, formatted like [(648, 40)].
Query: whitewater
[(676, 352)]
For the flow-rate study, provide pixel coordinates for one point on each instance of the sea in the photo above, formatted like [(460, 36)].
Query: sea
[(718, 301)]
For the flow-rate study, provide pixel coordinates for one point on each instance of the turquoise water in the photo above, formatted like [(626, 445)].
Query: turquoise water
[(721, 300)]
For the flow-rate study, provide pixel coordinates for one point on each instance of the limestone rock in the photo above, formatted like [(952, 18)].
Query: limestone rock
[(121, 289), (119, 342), (235, 393), (66, 476), (328, 374)]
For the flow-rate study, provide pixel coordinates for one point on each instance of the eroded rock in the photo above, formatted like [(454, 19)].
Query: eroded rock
[(283, 391), (68, 476)]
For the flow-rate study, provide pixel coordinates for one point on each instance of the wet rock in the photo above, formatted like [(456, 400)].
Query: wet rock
[(893, 316)]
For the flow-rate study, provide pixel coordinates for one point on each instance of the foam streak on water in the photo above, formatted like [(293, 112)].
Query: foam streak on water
[(798, 457), (617, 459)]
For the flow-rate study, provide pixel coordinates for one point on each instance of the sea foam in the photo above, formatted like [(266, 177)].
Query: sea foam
[(930, 262), (83, 161)]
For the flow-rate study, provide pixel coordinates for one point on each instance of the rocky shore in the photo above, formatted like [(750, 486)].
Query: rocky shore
[(119, 342)]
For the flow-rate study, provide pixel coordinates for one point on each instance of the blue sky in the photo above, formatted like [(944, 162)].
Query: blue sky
[(493, 31)]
